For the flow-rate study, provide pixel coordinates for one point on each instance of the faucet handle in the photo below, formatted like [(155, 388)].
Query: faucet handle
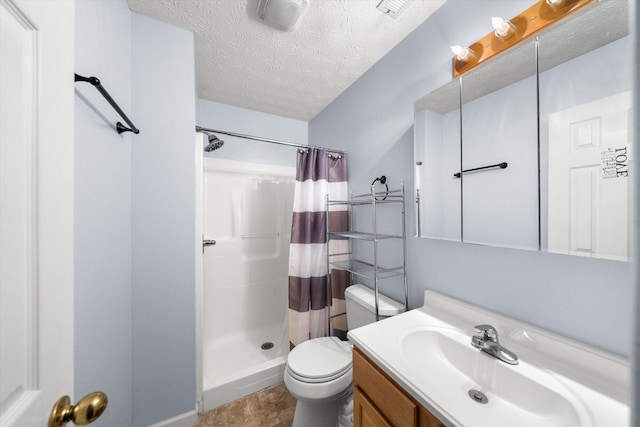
[(488, 331)]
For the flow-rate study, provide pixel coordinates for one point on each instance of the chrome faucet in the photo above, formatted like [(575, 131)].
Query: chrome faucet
[(488, 342)]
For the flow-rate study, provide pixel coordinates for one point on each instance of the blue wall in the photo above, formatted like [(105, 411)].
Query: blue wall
[(586, 299), (135, 216), (163, 221), (102, 210)]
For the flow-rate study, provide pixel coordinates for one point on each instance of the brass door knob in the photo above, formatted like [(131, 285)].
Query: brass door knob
[(86, 411)]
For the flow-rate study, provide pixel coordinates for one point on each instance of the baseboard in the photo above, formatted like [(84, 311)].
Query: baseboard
[(188, 419)]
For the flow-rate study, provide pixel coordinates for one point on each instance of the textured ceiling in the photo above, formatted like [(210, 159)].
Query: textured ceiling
[(243, 62)]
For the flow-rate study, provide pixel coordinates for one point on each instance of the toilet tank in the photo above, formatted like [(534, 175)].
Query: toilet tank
[(361, 308)]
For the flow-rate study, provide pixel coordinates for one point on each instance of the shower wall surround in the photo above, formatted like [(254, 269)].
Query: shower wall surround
[(586, 299)]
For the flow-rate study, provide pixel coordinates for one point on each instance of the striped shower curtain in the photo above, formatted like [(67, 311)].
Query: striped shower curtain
[(318, 173)]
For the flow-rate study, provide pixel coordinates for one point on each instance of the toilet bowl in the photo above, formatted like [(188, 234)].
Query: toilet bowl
[(319, 376), (319, 371)]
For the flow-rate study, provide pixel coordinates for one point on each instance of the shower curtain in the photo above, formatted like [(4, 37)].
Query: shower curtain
[(318, 173)]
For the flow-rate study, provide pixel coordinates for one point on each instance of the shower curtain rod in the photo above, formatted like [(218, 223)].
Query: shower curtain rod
[(272, 141)]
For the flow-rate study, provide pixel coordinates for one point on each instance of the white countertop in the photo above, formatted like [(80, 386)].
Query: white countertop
[(558, 382)]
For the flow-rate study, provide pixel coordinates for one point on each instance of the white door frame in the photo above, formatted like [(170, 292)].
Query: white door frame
[(199, 163)]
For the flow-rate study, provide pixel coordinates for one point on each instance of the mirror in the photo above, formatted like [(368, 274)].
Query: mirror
[(438, 194), (489, 117), (500, 204), (585, 135)]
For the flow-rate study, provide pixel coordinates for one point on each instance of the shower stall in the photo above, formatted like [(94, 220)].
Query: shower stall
[(246, 211)]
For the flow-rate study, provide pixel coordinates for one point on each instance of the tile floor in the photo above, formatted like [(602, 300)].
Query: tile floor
[(271, 407)]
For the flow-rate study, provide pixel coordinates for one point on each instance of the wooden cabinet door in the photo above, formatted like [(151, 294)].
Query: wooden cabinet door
[(379, 401), (365, 414), (427, 419), (384, 394)]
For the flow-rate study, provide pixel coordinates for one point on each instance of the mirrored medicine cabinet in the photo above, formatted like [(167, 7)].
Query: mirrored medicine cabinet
[(531, 149)]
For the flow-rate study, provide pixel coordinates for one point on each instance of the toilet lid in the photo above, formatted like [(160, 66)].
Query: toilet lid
[(320, 359)]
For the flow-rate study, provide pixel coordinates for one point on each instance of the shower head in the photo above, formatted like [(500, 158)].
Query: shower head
[(214, 143)]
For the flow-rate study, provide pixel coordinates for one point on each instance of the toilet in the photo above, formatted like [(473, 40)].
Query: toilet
[(319, 371)]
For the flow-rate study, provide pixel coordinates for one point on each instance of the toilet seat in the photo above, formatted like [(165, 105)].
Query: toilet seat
[(319, 370), (312, 380), (320, 360)]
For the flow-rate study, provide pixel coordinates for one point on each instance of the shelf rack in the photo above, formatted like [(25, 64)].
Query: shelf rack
[(371, 271)]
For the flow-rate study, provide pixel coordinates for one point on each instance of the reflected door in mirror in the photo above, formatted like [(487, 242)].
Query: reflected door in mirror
[(585, 110), (588, 172)]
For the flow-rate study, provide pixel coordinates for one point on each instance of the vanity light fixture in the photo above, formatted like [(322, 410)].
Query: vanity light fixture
[(502, 28), (507, 34), (462, 53), (555, 3)]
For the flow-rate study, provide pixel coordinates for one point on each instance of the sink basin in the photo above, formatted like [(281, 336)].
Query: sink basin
[(559, 382), (520, 395)]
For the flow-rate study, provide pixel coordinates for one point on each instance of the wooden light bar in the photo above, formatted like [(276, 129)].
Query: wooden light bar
[(526, 24)]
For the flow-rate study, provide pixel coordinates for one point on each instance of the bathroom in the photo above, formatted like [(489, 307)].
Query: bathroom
[(135, 205)]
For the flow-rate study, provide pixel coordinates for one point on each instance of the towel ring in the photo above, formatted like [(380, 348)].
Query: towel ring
[(383, 180)]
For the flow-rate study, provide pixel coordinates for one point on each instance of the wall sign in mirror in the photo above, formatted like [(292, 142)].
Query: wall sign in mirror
[(577, 76)]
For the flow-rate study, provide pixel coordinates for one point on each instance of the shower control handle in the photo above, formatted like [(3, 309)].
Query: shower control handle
[(206, 243)]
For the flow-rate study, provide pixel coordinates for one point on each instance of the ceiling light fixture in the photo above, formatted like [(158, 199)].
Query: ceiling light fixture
[(391, 7), (282, 14)]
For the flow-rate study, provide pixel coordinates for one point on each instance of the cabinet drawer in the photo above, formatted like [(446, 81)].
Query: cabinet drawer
[(398, 408)]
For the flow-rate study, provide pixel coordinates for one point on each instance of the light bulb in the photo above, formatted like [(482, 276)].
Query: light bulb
[(462, 53), (501, 26)]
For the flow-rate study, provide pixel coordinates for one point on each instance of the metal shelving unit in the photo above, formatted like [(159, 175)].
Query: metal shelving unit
[(371, 271)]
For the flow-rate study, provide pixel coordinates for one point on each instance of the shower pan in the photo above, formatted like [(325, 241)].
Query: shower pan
[(246, 210)]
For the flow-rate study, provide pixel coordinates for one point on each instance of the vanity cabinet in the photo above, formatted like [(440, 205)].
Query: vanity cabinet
[(379, 402)]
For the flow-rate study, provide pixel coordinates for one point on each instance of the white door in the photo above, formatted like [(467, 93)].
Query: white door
[(588, 178), (36, 212)]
